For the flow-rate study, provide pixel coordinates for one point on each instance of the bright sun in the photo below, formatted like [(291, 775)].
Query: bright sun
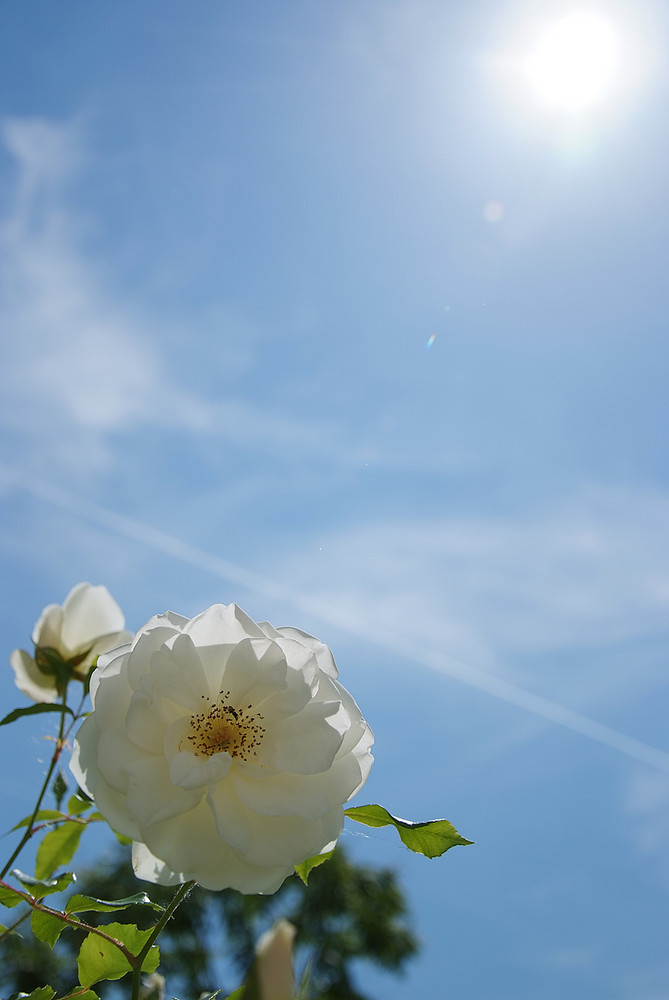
[(575, 63)]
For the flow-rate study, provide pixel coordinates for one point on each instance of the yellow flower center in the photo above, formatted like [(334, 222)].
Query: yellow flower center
[(222, 727)]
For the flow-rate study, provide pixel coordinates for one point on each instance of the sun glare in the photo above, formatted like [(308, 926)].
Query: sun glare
[(575, 62)]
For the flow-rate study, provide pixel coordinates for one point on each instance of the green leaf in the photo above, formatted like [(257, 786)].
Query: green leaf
[(41, 993), (46, 927), (76, 805), (304, 870), (237, 995), (44, 887), (9, 896), (432, 838), (81, 994), (59, 788), (83, 904), (18, 713), (43, 814), (100, 959), (58, 848)]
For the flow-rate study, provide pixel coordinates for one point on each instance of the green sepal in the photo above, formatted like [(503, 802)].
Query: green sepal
[(18, 713), (46, 926), (44, 887), (432, 838), (43, 814), (305, 869), (59, 788), (58, 847), (84, 904), (49, 661), (101, 959)]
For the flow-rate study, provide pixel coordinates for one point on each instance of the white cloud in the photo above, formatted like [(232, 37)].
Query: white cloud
[(647, 800), (80, 363), (590, 571), (405, 630)]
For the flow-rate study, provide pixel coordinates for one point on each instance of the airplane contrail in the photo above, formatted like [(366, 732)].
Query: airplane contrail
[(395, 643)]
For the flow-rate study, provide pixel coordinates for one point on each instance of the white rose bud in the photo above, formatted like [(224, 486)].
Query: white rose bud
[(274, 962), (224, 748), (67, 640)]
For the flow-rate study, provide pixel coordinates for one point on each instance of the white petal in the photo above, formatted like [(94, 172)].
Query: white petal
[(191, 843), (47, 630), (323, 653), (189, 772), (177, 674), (255, 668), (222, 623), (107, 643), (84, 755), (144, 724), (300, 794), (111, 693), (274, 962), (89, 612), (305, 743), (291, 839), (151, 796), (233, 820), (150, 868), (30, 679), (108, 801), (114, 808), (114, 752), (112, 664), (147, 641)]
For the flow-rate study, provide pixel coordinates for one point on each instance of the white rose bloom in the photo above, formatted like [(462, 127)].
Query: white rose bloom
[(89, 622), (274, 962), (224, 748)]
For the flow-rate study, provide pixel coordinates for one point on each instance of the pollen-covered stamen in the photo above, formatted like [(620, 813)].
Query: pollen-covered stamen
[(222, 727)]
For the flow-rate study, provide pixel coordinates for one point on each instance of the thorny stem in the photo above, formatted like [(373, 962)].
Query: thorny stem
[(178, 898), (12, 927), (35, 904), (60, 742)]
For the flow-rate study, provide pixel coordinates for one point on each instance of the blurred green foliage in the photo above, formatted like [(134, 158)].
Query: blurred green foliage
[(347, 914)]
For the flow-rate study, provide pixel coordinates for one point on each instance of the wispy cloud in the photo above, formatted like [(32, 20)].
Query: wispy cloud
[(360, 621), (590, 570), (77, 365), (81, 363)]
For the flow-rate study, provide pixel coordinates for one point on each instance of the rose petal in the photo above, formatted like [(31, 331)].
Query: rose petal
[(89, 612), (323, 654), (48, 628), (305, 743), (151, 796), (30, 679)]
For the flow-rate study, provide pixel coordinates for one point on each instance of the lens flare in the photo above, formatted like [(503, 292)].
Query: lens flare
[(575, 62)]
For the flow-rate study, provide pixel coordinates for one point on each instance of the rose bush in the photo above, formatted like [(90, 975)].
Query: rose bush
[(67, 640), (224, 748)]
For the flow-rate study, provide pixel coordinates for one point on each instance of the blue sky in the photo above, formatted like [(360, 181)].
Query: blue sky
[(320, 309)]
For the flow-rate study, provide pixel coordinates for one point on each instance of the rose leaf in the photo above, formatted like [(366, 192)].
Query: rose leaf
[(101, 959), (84, 904), (305, 869), (58, 848), (46, 927), (431, 838), (18, 713)]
